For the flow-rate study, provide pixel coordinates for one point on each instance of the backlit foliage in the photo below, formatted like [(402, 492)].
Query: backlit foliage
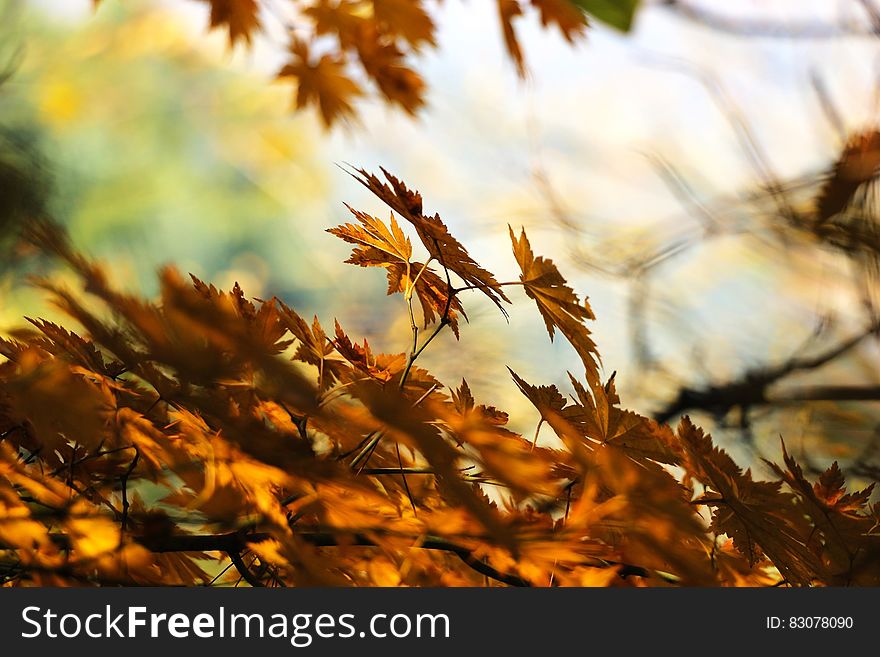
[(206, 437), (340, 51)]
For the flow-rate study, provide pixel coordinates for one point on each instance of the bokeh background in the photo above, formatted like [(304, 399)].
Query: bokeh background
[(652, 166)]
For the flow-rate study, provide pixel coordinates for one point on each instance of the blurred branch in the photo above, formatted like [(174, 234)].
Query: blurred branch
[(753, 388), (769, 28), (828, 393)]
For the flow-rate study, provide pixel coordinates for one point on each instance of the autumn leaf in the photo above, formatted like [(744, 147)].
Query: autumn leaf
[(324, 84), (240, 17), (380, 246), (344, 19), (831, 490), (557, 303), (263, 322), (373, 235), (406, 19), (840, 533), (432, 232), (381, 367), (63, 343), (508, 11), (568, 18), (57, 406), (372, 472), (601, 419), (464, 404), (385, 63), (755, 514), (432, 291), (858, 163), (313, 346)]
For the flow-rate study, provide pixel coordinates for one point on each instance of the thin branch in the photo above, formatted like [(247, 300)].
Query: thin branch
[(123, 523), (753, 389), (766, 28), (243, 570)]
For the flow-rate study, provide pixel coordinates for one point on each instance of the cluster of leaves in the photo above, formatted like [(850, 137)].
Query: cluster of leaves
[(334, 46), (169, 437)]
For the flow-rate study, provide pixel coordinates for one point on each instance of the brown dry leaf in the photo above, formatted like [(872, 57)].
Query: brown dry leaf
[(464, 404), (570, 19), (314, 347), (831, 489), (432, 291), (603, 421), (441, 245), (858, 163), (406, 19), (381, 367), (241, 18), (381, 246), (755, 514), (557, 303), (841, 530), (263, 323), (63, 343), (554, 411), (508, 11), (58, 407), (385, 63), (500, 454), (377, 245), (324, 84)]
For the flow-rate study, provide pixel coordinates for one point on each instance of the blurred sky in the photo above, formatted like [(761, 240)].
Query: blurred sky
[(586, 118)]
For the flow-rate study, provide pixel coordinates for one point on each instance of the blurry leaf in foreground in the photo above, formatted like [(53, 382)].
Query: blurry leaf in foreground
[(616, 13)]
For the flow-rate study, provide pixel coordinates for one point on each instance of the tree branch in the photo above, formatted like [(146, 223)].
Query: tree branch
[(764, 28), (753, 389)]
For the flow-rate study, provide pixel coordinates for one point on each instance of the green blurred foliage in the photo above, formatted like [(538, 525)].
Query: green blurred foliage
[(161, 150)]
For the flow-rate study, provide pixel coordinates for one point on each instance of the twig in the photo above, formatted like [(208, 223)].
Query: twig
[(123, 523), (758, 28)]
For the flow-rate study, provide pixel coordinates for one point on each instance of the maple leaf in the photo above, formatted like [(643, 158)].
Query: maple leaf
[(380, 246), (314, 347), (58, 405), (858, 163), (263, 322), (571, 21), (464, 404), (557, 303), (342, 18), (61, 342), (503, 455), (407, 19), (432, 232), (508, 11), (432, 291), (324, 84), (241, 18), (552, 406), (832, 491), (362, 357), (384, 62), (841, 531), (600, 418), (755, 514), (371, 236)]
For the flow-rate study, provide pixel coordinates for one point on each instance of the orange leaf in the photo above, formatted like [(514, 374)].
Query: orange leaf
[(442, 246), (323, 84), (241, 18), (557, 303), (569, 18)]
